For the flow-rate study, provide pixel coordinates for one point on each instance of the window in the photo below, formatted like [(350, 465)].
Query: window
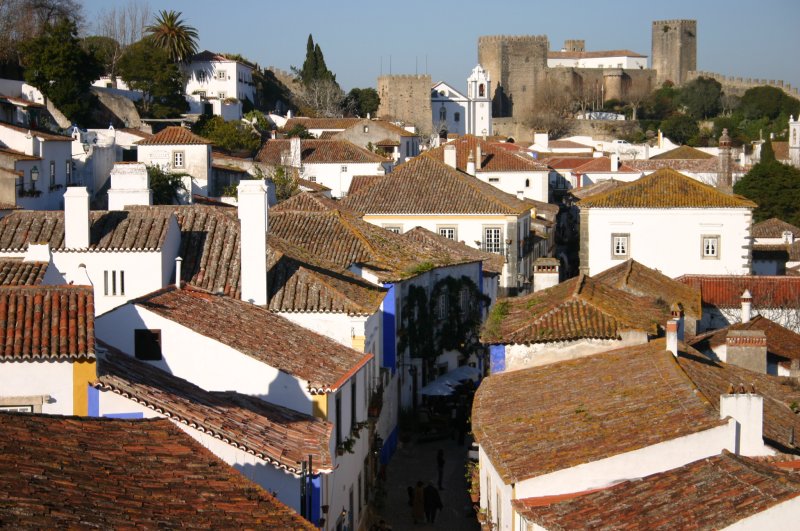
[(221, 74), (201, 94), (620, 246), (147, 344), (338, 412), (481, 90), (18, 409), (464, 300), (221, 95), (711, 246), (312, 178), (366, 129), (178, 159), (492, 242), (114, 283), (457, 117), (441, 306), (23, 404), (527, 183), (69, 172), (442, 114), (394, 228), (619, 65), (52, 173), (344, 169), (494, 179), (448, 232)]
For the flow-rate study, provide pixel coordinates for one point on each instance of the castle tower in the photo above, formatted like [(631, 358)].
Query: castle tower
[(574, 45), (479, 112), (674, 50), (406, 98), (794, 141)]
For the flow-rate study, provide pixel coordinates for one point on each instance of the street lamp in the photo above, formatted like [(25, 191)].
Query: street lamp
[(34, 177)]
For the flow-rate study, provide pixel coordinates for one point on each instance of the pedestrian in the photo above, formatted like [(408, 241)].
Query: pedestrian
[(433, 502), (419, 504), (440, 466)]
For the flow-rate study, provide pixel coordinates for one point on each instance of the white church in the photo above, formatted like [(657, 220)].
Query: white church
[(458, 114)]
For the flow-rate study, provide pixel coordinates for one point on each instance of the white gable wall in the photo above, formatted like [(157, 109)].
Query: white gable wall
[(338, 175), (533, 184), (196, 162), (28, 378)]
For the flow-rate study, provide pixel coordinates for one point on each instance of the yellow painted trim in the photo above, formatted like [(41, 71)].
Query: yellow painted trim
[(83, 373), (358, 343), (320, 406)]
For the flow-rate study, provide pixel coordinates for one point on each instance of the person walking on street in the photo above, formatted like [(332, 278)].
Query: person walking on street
[(440, 466), (433, 502), (419, 504)]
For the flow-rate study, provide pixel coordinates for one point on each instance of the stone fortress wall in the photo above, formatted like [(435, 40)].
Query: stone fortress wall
[(407, 97), (738, 85)]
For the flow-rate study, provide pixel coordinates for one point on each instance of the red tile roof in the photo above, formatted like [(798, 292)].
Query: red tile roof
[(174, 135), (46, 323), (683, 153), (581, 407), (19, 273), (566, 163), (774, 228), (596, 188), (318, 152), (666, 188), (69, 473), (38, 133), (637, 279), (321, 123), (311, 185), (362, 181), (711, 166), (603, 165), (492, 263), (599, 54), (494, 158), (726, 291), (424, 185), (711, 493), (781, 341), (278, 435), (306, 202), (575, 309), (288, 347), (567, 144), (110, 231)]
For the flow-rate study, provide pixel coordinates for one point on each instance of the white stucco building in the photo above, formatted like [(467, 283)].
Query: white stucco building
[(218, 82), (455, 113), (177, 150), (666, 221)]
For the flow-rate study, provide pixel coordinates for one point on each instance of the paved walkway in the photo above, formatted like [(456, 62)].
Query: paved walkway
[(417, 462)]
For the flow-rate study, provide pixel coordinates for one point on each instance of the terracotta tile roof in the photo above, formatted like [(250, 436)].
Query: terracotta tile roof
[(387, 142), (595, 189), (666, 188), (683, 153), (318, 152), (600, 54), (560, 162), (580, 408), (311, 185), (424, 185), (362, 181), (781, 424), (711, 165), (71, 472), (388, 127), (280, 436), (492, 263), (44, 135), (19, 273), (726, 291), (495, 158), (774, 228), (603, 164), (338, 237), (306, 285), (567, 144), (711, 493), (306, 202), (16, 155), (781, 150), (791, 252), (46, 323), (781, 341), (174, 135), (288, 347), (321, 123), (207, 56), (637, 279), (110, 231), (328, 135), (228, 167), (577, 308)]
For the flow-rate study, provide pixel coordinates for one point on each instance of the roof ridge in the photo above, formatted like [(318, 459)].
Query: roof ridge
[(628, 271), (472, 182), (307, 270), (355, 231)]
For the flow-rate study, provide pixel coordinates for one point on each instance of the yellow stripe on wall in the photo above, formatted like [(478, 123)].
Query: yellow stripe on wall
[(83, 373)]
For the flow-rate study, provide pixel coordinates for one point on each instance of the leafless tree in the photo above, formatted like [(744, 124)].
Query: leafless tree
[(124, 24), (553, 109), (322, 98), (729, 103), (583, 94), (635, 95), (22, 20)]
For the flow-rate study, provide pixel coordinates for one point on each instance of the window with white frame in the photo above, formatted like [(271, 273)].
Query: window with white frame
[(442, 305), (113, 283), (178, 159), (221, 95), (711, 246), (18, 409), (344, 169), (620, 246), (448, 232), (492, 240)]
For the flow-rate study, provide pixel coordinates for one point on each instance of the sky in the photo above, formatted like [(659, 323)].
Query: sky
[(362, 39)]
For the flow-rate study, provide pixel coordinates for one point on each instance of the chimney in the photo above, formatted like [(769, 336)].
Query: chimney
[(614, 162), (471, 164), (521, 195), (295, 152), (545, 273), (76, 218), (747, 409), (478, 157), (747, 349), (747, 306), (725, 177), (130, 185), (541, 140), (672, 336), (450, 155), (253, 241), (677, 314), (37, 252), (178, 261)]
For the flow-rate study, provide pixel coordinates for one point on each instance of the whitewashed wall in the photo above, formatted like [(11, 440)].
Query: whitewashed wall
[(513, 182), (197, 162), (521, 356), (54, 378), (332, 176)]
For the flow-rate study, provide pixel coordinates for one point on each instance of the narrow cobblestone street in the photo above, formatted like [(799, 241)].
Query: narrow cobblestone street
[(416, 461)]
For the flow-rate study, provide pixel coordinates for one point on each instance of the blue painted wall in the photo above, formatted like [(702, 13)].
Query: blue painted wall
[(94, 402), (389, 334), (389, 446), (497, 359)]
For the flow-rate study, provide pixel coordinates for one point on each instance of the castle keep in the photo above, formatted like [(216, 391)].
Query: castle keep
[(674, 51), (406, 98)]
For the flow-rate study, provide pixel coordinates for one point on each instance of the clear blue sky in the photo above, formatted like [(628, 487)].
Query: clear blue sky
[(759, 39)]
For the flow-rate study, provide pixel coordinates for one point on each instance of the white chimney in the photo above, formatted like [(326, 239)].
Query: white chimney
[(521, 195), (295, 152), (130, 185), (37, 252), (747, 306), (450, 155), (178, 261), (672, 336), (676, 310), (614, 162), (471, 164), (76, 218), (747, 409), (253, 241), (541, 140), (478, 157)]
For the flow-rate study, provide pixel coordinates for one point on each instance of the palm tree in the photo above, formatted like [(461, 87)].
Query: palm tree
[(173, 35)]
